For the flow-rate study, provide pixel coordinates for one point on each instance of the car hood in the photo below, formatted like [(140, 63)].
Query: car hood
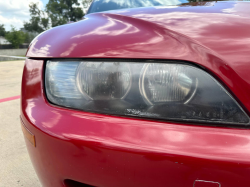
[(214, 35)]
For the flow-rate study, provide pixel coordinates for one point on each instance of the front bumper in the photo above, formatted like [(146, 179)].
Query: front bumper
[(108, 151)]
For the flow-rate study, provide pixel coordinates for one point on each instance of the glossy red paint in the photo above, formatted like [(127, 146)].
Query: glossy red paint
[(108, 151), (113, 151)]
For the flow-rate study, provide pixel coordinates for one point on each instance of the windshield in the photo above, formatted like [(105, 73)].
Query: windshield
[(105, 5)]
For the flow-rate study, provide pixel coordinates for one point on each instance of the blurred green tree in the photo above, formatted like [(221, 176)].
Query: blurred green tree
[(2, 30), (86, 4), (39, 21), (15, 37), (62, 11), (29, 36), (57, 12)]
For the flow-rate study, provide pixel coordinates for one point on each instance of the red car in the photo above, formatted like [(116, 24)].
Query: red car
[(141, 96)]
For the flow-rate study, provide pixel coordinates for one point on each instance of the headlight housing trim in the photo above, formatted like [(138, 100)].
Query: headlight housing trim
[(152, 116)]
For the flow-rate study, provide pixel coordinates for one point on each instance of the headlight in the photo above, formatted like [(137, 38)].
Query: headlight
[(168, 91)]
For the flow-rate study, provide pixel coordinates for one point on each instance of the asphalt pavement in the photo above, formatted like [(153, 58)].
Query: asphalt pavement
[(15, 166)]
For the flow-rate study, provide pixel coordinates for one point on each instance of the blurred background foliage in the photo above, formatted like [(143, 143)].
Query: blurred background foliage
[(56, 12), (15, 37)]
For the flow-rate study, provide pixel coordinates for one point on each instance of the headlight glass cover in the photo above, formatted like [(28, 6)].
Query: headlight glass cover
[(159, 90)]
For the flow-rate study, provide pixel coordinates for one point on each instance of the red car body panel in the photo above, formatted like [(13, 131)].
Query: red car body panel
[(109, 151), (114, 151)]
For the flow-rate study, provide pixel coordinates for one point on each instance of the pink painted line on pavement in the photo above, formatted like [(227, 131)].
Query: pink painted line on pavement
[(9, 99)]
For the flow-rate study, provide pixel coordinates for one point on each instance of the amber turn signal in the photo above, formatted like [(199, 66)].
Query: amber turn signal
[(28, 135)]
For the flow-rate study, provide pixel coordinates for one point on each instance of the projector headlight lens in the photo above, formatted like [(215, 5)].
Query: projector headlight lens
[(168, 91)]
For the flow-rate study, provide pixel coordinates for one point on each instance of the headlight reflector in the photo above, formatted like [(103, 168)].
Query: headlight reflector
[(161, 83), (169, 91), (103, 81)]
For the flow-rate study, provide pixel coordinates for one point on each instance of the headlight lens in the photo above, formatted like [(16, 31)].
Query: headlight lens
[(168, 91)]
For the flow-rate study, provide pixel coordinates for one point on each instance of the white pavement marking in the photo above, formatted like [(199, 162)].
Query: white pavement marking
[(17, 57)]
